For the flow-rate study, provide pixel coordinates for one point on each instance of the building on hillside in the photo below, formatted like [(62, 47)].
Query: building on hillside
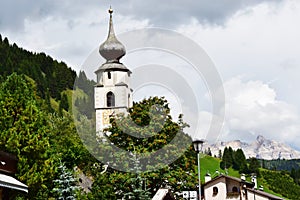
[(113, 94), (226, 187), (8, 184)]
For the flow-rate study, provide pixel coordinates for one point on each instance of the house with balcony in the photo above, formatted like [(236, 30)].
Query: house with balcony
[(225, 187)]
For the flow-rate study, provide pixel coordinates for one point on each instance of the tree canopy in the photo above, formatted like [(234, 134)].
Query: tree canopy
[(235, 159), (24, 132), (179, 175)]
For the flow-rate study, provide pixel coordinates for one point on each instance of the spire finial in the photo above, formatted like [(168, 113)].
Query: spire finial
[(111, 27), (110, 10), (112, 50)]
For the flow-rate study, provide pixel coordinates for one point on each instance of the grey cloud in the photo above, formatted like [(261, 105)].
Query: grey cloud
[(13, 12), (159, 13), (170, 13)]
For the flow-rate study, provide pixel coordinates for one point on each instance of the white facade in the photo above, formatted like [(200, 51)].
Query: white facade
[(221, 189), (112, 96), (225, 187)]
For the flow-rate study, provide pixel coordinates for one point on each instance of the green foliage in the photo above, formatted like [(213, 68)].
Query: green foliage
[(51, 77), (85, 84), (105, 187), (152, 134), (153, 119), (209, 165), (212, 165), (85, 104), (227, 158), (66, 143), (254, 166), (63, 104), (239, 161), (282, 183), (220, 154), (24, 132), (136, 184), (37, 138), (281, 164), (295, 174), (235, 159)]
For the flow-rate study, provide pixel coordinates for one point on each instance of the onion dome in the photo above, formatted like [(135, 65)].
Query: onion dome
[(112, 50)]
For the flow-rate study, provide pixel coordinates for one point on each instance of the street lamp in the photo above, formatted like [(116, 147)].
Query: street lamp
[(198, 147)]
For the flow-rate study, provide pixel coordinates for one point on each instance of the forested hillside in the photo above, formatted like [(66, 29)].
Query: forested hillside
[(35, 125), (280, 164), (52, 77)]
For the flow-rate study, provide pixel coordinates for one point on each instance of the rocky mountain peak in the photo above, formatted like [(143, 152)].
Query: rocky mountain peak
[(260, 148), (260, 139)]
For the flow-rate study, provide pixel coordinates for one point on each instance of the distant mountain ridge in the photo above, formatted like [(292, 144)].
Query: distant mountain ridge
[(261, 148)]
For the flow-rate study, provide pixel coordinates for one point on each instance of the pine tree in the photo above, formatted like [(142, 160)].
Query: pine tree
[(239, 161), (209, 152), (65, 185), (220, 154), (227, 158), (63, 104), (254, 166), (137, 192)]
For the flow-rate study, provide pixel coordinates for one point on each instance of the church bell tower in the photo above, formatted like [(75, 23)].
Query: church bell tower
[(113, 94)]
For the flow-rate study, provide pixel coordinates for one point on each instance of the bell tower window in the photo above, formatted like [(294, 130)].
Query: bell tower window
[(215, 191), (109, 75), (110, 99), (234, 189)]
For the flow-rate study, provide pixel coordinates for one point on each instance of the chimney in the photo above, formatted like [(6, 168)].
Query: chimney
[(253, 180), (207, 177), (243, 177)]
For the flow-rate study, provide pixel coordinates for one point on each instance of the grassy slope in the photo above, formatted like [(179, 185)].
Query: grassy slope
[(211, 164), (72, 95)]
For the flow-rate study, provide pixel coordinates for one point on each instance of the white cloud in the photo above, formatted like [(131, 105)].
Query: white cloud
[(261, 44), (258, 38), (252, 107)]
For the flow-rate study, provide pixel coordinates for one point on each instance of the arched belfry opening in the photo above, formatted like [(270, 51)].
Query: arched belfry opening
[(110, 99)]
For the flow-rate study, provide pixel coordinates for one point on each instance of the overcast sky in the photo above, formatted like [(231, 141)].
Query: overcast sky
[(254, 44)]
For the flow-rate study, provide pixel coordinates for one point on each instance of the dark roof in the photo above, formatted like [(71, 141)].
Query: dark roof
[(112, 66), (249, 184), (262, 193), (12, 183)]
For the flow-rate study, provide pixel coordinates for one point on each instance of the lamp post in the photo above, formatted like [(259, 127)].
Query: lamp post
[(198, 147)]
